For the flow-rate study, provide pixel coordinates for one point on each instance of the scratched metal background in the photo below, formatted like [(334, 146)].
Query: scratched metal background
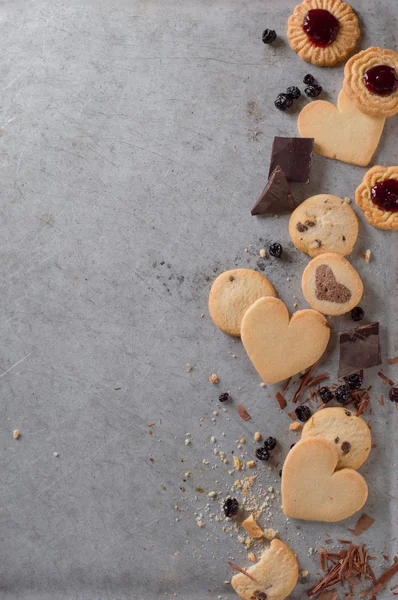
[(135, 136)]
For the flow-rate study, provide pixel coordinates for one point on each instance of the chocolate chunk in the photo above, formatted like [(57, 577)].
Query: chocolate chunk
[(327, 288), (276, 197), (359, 349), (294, 156), (300, 227)]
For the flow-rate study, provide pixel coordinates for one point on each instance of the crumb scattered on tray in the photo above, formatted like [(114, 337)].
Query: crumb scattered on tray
[(16, 434), (214, 378)]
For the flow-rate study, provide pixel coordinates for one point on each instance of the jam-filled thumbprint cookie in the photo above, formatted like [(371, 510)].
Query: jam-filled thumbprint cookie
[(377, 196), (371, 81), (323, 32)]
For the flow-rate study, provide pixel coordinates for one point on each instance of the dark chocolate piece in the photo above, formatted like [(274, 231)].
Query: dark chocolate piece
[(359, 349), (276, 196), (294, 156)]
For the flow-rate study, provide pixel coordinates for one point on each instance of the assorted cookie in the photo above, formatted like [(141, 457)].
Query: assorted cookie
[(323, 32), (331, 285), (377, 196), (343, 132), (350, 435), (231, 295), (272, 578), (312, 487), (279, 347), (371, 81), (324, 223)]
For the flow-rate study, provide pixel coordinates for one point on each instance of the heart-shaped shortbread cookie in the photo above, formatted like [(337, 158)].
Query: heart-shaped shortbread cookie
[(274, 576), (313, 490), (341, 132), (277, 347)]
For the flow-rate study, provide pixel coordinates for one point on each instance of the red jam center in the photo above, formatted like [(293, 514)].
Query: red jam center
[(381, 80), (385, 195), (321, 27)]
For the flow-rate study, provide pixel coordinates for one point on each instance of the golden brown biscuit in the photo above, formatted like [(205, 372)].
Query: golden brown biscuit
[(275, 575), (323, 32), (377, 196), (231, 295), (371, 81), (313, 490)]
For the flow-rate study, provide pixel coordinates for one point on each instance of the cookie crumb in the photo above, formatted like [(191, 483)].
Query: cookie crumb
[(214, 378), (270, 534), (252, 528), (237, 463), (200, 523), (295, 427), (242, 440), (245, 250), (304, 573), (262, 384), (56, 454), (188, 367), (257, 437), (187, 473), (212, 495), (263, 253), (187, 442), (252, 557), (16, 434), (202, 316), (367, 255), (347, 199), (250, 464)]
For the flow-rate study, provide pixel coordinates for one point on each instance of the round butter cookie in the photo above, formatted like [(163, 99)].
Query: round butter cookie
[(324, 223), (331, 285)]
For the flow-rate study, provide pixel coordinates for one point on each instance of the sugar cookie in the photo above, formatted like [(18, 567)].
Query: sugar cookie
[(350, 435), (277, 347), (377, 196), (313, 490), (274, 576), (231, 295), (324, 223), (343, 132), (331, 285), (323, 32)]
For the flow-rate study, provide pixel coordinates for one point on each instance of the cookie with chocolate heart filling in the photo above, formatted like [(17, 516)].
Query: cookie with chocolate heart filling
[(331, 285)]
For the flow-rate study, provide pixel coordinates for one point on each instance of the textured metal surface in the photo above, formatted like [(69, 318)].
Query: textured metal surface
[(135, 137)]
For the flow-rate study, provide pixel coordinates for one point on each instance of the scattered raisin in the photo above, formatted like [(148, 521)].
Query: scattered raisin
[(300, 227)]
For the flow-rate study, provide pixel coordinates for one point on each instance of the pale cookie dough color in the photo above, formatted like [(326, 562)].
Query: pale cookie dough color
[(371, 81), (349, 434), (313, 490), (324, 223), (377, 196), (331, 285), (275, 575), (277, 347), (343, 132), (231, 295), (323, 32)]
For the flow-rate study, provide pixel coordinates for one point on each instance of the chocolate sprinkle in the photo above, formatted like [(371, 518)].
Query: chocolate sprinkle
[(243, 412)]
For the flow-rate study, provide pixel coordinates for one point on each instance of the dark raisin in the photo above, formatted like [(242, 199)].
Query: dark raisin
[(231, 278), (303, 413), (357, 313), (336, 441), (347, 412), (310, 223), (346, 447), (313, 91), (269, 36), (343, 395), (300, 227), (283, 102), (293, 92), (343, 238), (231, 507), (280, 473), (393, 394), (262, 453), (270, 443), (224, 397), (326, 395), (354, 381), (260, 596), (309, 79), (318, 243), (276, 250)]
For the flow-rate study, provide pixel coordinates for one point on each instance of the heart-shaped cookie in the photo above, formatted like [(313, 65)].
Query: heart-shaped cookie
[(313, 490), (277, 347), (274, 576), (341, 132)]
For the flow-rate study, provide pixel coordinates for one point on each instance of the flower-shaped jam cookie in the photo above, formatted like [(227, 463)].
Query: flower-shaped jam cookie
[(323, 32), (371, 81), (377, 196)]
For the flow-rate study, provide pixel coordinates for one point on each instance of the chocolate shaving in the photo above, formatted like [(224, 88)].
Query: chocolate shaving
[(382, 581), (381, 400), (243, 412), (393, 361), (385, 378), (286, 385), (394, 587), (304, 381), (318, 379), (231, 564), (281, 401), (330, 595)]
